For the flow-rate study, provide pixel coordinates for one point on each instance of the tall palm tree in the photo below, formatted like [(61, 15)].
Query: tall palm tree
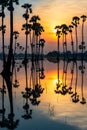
[(72, 42), (58, 32), (65, 30), (37, 30), (26, 26), (83, 17), (3, 4), (34, 19), (75, 22)]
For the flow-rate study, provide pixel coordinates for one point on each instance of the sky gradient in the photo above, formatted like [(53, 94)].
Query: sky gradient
[(52, 13)]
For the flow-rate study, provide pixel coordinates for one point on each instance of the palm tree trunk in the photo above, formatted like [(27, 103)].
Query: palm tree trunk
[(76, 41), (6, 73), (3, 51)]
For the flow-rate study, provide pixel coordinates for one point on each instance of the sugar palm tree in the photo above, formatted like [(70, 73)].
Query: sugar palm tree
[(3, 4), (58, 33), (34, 19), (75, 22), (83, 17), (26, 26), (64, 29), (72, 42), (37, 30)]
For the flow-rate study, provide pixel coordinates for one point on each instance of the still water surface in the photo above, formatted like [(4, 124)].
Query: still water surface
[(54, 110)]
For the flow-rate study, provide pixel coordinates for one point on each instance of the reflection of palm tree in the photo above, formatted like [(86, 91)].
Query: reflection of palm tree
[(41, 73), (82, 72), (27, 95), (75, 96), (64, 79), (72, 72), (16, 83), (37, 90), (3, 91), (16, 34)]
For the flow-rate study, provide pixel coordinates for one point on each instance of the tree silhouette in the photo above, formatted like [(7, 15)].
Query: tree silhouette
[(26, 26), (37, 30), (75, 22)]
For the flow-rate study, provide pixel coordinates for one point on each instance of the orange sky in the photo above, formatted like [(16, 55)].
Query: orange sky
[(52, 13)]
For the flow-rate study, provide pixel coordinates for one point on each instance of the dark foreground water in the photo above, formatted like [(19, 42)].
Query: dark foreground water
[(45, 108)]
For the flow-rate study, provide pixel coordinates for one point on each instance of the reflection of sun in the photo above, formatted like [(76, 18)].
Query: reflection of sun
[(56, 81)]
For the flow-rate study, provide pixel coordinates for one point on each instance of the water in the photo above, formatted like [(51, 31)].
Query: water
[(50, 110)]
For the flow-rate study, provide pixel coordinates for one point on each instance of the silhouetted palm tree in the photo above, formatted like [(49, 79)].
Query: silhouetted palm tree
[(83, 17), (72, 42), (26, 26), (64, 28), (75, 22), (37, 30), (58, 32)]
